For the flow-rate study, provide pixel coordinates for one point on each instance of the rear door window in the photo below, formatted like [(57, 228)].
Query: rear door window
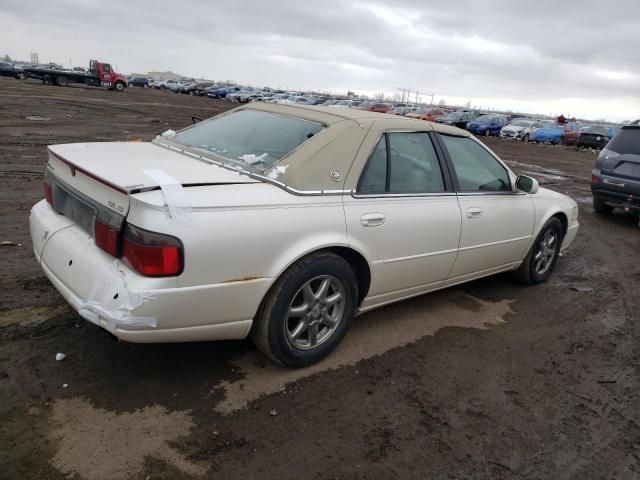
[(403, 163)]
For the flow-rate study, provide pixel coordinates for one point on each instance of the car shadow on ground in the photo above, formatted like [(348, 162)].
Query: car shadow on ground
[(222, 376)]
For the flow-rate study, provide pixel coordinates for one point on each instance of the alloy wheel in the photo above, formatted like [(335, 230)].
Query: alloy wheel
[(546, 252), (315, 312)]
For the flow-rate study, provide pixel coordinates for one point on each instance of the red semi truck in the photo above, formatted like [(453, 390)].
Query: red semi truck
[(99, 75)]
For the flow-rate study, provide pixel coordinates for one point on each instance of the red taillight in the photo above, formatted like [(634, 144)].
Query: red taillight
[(595, 179), (106, 237), (151, 254), (48, 191)]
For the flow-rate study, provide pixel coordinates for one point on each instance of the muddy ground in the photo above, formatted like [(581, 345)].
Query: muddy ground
[(490, 380)]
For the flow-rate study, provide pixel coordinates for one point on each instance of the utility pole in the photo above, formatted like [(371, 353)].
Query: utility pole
[(425, 94), (406, 94)]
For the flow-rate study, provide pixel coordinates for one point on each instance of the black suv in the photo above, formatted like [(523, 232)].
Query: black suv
[(615, 179)]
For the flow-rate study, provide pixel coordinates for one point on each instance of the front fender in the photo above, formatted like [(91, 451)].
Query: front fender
[(547, 204)]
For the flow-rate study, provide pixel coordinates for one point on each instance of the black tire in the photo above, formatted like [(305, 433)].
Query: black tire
[(525, 139), (272, 322), (527, 273), (62, 81), (600, 207), (119, 87), (21, 76)]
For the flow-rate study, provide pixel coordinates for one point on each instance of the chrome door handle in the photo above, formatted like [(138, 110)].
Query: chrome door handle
[(372, 219), (474, 212)]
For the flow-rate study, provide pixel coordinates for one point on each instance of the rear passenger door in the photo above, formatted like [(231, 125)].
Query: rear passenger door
[(403, 216), (497, 222)]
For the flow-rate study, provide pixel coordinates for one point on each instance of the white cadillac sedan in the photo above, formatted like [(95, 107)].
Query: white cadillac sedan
[(283, 222)]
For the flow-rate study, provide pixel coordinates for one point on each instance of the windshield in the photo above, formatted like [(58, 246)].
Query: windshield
[(251, 137), (485, 118), (454, 116)]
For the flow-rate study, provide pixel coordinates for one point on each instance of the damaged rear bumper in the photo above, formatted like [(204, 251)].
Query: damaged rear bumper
[(133, 307)]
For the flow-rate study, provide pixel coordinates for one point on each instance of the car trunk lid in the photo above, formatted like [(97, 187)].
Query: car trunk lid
[(91, 183), (109, 172)]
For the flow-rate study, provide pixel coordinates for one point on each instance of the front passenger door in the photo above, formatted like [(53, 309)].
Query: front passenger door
[(497, 223)]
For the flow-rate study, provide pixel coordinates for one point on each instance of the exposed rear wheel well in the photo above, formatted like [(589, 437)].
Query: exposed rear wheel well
[(360, 267)]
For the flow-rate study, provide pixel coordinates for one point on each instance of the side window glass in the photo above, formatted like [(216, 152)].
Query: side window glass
[(477, 170), (410, 165), (374, 178), (414, 164)]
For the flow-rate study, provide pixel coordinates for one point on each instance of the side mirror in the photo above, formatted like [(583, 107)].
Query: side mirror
[(527, 184), (195, 119)]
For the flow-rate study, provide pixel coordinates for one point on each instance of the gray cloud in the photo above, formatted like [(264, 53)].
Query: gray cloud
[(545, 56)]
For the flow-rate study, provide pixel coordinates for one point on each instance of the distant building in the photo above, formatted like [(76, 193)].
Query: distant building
[(158, 76)]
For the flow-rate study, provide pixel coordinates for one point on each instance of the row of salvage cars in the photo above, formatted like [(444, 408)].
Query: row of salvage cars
[(282, 223), (548, 131)]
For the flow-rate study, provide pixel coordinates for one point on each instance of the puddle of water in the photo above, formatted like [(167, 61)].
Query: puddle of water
[(537, 168), (370, 335), (583, 199), (546, 175), (101, 445)]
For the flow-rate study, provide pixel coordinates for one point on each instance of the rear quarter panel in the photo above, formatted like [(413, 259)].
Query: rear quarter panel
[(244, 232)]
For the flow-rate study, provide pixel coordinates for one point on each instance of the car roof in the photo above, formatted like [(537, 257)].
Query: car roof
[(310, 168), (322, 115)]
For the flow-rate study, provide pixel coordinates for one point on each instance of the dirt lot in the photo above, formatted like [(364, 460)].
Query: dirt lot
[(489, 380)]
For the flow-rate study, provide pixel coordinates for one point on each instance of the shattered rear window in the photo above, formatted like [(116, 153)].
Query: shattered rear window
[(256, 138)]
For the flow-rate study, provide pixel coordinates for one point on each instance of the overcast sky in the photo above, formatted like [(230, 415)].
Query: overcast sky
[(577, 57)]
